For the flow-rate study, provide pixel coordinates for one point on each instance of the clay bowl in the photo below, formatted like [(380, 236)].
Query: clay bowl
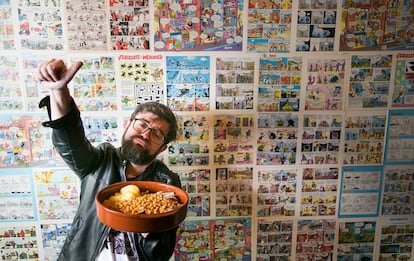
[(141, 223)]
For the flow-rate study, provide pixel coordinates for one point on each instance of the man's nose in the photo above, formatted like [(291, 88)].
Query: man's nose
[(146, 133)]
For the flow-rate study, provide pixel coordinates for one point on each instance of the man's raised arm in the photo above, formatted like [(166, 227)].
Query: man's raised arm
[(55, 77)]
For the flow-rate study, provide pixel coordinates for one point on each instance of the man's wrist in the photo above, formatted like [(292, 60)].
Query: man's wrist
[(59, 91)]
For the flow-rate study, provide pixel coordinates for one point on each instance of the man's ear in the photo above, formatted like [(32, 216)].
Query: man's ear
[(127, 123), (163, 147)]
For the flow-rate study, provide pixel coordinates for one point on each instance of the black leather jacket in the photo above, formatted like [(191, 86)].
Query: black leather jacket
[(97, 167)]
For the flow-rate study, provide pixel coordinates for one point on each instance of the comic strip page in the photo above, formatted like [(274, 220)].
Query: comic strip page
[(11, 96), (276, 192), (7, 41), (398, 190), (23, 140), (191, 148), (277, 139), (234, 191), (279, 83), (364, 139), (57, 193), (400, 137), (233, 139), (376, 25), (234, 83), (129, 25), (142, 79), (274, 239), (325, 84), (360, 191), (316, 26), (356, 240), (19, 242), (403, 94), (197, 183), (231, 240), (53, 237), (188, 83), (94, 85), (320, 186), (100, 129), (17, 182), (397, 237), (40, 25), (269, 26), (315, 239), (369, 81), (321, 138), (86, 27), (198, 26)]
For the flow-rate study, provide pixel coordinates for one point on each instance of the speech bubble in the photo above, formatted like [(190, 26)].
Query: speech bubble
[(175, 7), (238, 39), (317, 14), (192, 8), (218, 23), (216, 7), (159, 44), (368, 226), (215, 18), (351, 11), (164, 21)]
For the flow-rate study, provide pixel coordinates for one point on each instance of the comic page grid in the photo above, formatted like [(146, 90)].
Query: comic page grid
[(221, 172), (55, 194), (120, 26), (278, 189), (368, 250), (284, 226)]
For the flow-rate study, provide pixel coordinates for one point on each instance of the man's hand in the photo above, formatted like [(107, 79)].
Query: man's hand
[(54, 75)]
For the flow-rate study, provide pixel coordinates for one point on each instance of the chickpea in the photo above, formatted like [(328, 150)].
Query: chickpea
[(145, 202)]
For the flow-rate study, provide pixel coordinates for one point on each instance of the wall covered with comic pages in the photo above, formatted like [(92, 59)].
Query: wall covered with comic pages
[(296, 138)]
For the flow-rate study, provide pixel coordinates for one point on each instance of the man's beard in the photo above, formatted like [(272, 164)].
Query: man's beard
[(135, 153)]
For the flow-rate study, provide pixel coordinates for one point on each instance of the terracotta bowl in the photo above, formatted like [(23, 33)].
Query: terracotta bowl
[(141, 223)]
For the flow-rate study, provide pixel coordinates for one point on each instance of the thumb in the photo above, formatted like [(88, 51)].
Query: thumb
[(71, 71)]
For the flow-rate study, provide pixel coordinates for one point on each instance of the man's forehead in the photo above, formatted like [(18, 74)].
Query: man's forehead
[(150, 117)]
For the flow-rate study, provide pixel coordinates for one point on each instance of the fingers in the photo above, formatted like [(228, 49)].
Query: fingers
[(44, 71), (54, 75), (51, 71), (55, 70)]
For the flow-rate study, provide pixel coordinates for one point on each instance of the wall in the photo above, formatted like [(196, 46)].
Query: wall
[(296, 121)]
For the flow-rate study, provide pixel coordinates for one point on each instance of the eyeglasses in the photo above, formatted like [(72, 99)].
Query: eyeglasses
[(141, 126)]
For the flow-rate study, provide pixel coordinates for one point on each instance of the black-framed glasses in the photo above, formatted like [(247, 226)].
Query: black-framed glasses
[(141, 126)]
